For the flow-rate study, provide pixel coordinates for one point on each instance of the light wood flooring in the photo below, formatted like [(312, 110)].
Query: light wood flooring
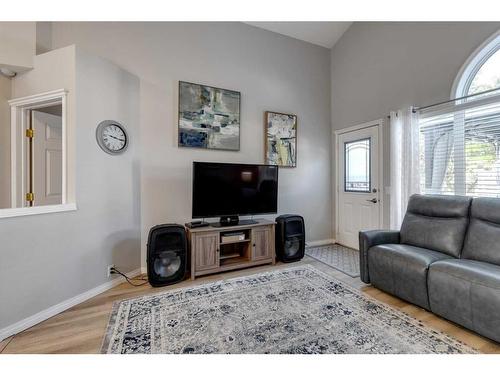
[(81, 328)]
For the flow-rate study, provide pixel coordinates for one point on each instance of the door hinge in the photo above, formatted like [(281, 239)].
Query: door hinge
[(30, 133), (30, 197)]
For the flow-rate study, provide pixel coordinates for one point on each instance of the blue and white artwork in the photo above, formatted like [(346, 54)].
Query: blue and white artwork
[(209, 117)]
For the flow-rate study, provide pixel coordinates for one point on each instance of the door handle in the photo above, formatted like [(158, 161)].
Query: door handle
[(374, 200)]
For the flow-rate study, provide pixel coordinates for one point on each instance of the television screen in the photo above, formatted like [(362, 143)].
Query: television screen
[(221, 189)]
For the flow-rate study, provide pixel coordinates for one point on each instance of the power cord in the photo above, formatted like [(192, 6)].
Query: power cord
[(114, 270)]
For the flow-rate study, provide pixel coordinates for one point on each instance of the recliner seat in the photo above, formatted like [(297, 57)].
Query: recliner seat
[(468, 293), (402, 270)]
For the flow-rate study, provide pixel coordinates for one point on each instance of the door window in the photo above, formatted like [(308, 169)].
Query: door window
[(357, 166)]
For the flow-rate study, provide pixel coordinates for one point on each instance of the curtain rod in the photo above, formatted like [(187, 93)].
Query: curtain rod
[(415, 109)]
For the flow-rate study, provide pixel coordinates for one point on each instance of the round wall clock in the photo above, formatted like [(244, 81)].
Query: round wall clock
[(112, 137)]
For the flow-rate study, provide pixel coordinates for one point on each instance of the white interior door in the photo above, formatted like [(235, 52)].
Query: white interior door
[(47, 158), (358, 185)]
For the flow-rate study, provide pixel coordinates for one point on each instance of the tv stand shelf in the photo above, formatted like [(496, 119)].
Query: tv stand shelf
[(208, 254), (233, 255)]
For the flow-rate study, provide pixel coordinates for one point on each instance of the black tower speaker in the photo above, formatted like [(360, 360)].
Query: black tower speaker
[(290, 238), (167, 254)]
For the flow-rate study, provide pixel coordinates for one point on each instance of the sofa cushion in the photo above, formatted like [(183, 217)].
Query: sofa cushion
[(402, 270), (482, 241), (436, 222), (468, 293)]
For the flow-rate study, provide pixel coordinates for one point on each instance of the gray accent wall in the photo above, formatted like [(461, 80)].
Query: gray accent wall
[(377, 67), (47, 259), (272, 72)]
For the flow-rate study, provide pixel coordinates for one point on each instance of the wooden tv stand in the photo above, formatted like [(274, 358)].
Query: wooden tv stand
[(211, 253)]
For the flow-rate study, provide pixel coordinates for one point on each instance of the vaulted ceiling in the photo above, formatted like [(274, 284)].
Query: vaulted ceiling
[(324, 34)]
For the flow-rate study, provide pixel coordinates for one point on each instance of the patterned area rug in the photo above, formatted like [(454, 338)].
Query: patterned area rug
[(337, 256), (293, 310)]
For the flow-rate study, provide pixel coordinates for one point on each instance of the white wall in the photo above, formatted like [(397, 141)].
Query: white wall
[(377, 67), (46, 259), (272, 72), (5, 95)]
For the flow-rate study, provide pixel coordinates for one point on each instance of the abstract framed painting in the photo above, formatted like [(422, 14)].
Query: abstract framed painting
[(209, 117), (281, 139)]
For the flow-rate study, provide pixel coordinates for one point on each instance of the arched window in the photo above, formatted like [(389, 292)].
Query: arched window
[(481, 71), (460, 141)]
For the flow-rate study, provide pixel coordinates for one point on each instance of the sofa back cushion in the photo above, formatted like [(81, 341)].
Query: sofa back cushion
[(436, 222), (482, 241)]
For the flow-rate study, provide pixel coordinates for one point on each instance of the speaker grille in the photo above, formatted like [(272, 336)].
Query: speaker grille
[(167, 264), (293, 227), (167, 241), (292, 247)]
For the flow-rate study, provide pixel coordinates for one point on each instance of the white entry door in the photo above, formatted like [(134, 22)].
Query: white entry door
[(358, 205), (47, 158)]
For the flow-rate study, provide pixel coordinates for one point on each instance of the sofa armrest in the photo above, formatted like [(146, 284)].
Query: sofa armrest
[(370, 238)]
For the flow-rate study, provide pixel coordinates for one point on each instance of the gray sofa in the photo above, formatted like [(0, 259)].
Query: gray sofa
[(445, 258)]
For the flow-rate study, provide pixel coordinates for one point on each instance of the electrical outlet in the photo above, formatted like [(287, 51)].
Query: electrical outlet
[(109, 269)]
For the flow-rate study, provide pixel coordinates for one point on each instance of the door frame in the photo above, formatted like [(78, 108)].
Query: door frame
[(19, 108), (338, 168)]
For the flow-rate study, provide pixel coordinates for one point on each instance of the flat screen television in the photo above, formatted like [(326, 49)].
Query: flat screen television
[(230, 190)]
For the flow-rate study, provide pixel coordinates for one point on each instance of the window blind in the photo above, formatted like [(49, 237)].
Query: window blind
[(460, 148)]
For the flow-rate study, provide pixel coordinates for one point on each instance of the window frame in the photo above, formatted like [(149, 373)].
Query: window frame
[(369, 166), (473, 64), (18, 109)]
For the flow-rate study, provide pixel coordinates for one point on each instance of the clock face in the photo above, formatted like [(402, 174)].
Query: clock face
[(114, 138), (111, 136)]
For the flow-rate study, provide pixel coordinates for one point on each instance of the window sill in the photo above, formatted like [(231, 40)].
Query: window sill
[(25, 211)]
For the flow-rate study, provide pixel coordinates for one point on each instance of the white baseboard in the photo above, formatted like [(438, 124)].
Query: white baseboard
[(60, 307), (328, 241), (144, 270)]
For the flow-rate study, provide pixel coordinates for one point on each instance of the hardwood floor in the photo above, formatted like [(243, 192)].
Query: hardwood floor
[(81, 328)]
